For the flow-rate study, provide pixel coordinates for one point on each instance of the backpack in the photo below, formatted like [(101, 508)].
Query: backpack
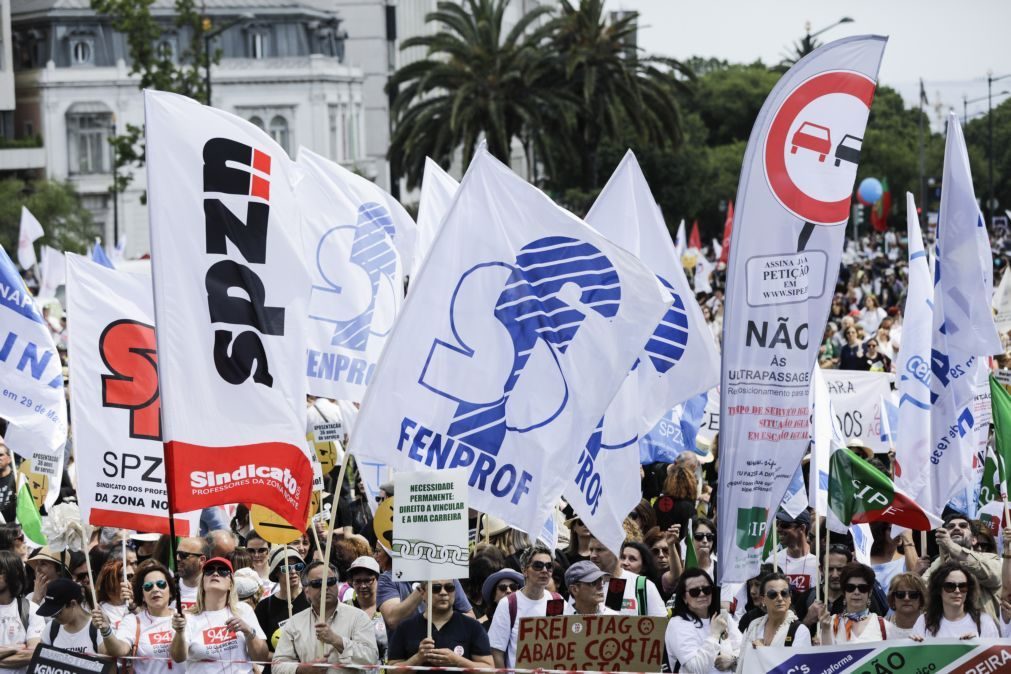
[(23, 613), (54, 629), (513, 604)]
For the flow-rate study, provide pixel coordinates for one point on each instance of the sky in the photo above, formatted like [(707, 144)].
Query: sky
[(951, 45)]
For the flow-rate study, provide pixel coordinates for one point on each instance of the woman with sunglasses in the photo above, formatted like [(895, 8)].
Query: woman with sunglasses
[(220, 635), (259, 550), (148, 633), (704, 538), (700, 639), (286, 567), (780, 626), (907, 597), (953, 607), (497, 587), (856, 624)]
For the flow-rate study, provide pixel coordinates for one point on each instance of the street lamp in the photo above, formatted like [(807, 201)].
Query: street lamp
[(967, 101), (990, 79), (810, 35), (208, 36)]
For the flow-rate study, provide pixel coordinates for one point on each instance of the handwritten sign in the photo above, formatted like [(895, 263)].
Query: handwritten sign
[(592, 642)]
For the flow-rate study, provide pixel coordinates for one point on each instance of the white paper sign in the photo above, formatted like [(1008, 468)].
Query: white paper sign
[(856, 400), (430, 525)]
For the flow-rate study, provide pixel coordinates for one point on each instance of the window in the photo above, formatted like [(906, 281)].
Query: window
[(82, 52), (258, 44), (352, 143), (279, 131), (166, 48), (257, 122), (88, 129)]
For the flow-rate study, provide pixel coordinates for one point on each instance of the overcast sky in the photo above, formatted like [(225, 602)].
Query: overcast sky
[(951, 45)]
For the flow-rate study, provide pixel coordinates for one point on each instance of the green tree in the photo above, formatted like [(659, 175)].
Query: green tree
[(68, 225), (977, 138), (476, 81)]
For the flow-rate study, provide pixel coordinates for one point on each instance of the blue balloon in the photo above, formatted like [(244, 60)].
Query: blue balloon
[(870, 190)]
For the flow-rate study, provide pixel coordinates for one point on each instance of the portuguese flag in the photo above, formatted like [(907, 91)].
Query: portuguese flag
[(858, 493)]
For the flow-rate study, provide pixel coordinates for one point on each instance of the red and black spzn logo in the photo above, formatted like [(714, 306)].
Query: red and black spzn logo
[(128, 351)]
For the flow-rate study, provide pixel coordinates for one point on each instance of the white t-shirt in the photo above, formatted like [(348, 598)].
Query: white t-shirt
[(12, 630), (956, 629), (630, 604), (691, 645), (211, 642), (155, 642), (187, 594), (885, 572), (504, 639), (78, 642), (114, 613), (801, 571)]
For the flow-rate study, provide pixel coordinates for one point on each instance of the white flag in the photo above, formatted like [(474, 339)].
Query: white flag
[(53, 268), (703, 269), (678, 361), (357, 279), (34, 401), (789, 227), (437, 191), (681, 245), (231, 293), (517, 333), (30, 231), (825, 439), (114, 393)]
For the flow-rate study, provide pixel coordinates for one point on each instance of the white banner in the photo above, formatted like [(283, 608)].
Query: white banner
[(230, 291), (793, 205), (31, 381), (114, 394), (1002, 303), (437, 191), (514, 338), (53, 268), (357, 279), (856, 402), (430, 540), (679, 360)]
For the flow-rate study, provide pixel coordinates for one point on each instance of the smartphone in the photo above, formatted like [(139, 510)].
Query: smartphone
[(615, 594), (555, 607)]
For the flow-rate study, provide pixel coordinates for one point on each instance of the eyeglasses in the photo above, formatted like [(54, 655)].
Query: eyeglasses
[(507, 587), (952, 588), (448, 587), (217, 571), (958, 524), (772, 594), (160, 584), (540, 566), (705, 537), (659, 552), (81, 577), (907, 594), (318, 583), (258, 551), (862, 588), (187, 555), (367, 580), (704, 591)]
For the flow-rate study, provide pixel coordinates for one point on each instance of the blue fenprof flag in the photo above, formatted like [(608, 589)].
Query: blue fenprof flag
[(675, 433), (98, 255)]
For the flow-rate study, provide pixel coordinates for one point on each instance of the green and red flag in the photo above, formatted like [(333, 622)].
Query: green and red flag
[(1000, 403), (691, 557), (880, 210), (992, 493), (858, 493)]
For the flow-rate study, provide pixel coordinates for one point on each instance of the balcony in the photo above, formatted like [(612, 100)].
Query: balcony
[(22, 154)]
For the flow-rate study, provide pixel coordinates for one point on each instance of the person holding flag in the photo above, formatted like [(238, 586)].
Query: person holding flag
[(956, 541), (700, 639)]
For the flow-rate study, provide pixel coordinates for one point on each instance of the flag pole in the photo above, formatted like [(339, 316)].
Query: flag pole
[(329, 534), (775, 546), (428, 609), (817, 548), (287, 578)]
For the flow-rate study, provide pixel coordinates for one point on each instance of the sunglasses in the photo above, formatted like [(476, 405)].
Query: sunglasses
[(318, 583), (705, 537), (448, 587), (258, 551), (907, 594), (294, 566), (81, 577), (187, 555), (507, 587), (862, 588), (951, 588), (705, 591), (540, 566), (217, 571), (160, 584), (772, 594)]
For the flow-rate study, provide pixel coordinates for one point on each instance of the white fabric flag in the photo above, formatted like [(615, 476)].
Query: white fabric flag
[(114, 394), (33, 399), (516, 335), (789, 228), (53, 268), (231, 294), (717, 249), (703, 268), (1002, 303), (29, 231), (437, 191), (678, 361), (357, 278), (681, 244)]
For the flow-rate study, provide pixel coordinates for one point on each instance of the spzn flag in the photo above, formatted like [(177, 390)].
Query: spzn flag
[(514, 338), (793, 205), (33, 400), (350, 248), (230, 292), (678, 360), (114, 394)]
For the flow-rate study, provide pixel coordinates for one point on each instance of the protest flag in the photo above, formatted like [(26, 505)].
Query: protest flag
[(858, 493), (793, 203), (728, 227), (350, 248), (98, 256), (691, 556), (28, 513), (1000, 401), (230, 296), (30, 230), (676, 432), (681, 241), (679, 360), (437, 191), (518, 331), (53, 268), (992, 500), (880, 210), (695, 239)]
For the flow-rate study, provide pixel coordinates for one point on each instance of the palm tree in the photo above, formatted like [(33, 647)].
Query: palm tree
[(476, 81), (618, 89)]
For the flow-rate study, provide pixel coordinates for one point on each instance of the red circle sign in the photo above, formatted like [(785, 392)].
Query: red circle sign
[(816, 140)]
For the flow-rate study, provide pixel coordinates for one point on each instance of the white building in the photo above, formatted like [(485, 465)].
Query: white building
[(282, 68)]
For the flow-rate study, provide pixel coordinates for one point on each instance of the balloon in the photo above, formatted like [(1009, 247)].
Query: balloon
[(870, 190), (861, 199)]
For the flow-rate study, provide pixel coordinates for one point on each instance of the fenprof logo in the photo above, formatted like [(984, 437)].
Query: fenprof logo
[(236, 295), (127, 349)]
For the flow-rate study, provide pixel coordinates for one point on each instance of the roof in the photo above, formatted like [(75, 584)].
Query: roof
[(34, 8)]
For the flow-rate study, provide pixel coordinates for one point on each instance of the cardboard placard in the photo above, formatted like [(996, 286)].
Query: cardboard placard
[(430, 525), (51, 660), (592, 642)]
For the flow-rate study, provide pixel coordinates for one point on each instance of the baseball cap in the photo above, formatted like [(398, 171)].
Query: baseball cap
[(583, 572), (246, 583), (218, 561), (365, 562), (59, 593), (802, 518)]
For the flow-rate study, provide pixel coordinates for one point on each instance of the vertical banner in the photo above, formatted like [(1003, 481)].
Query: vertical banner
[(230, 295), (357, 279), (514, 338), (790, 223), (430, 539), (114, 395)]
